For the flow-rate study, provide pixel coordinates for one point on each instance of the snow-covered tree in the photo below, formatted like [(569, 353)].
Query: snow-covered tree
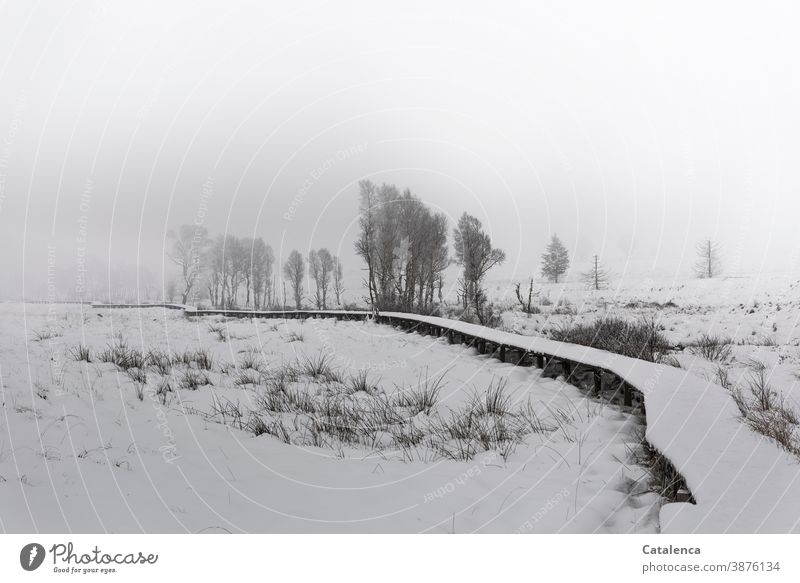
[(708, 263), (189, 244), (555, 259), (474, 252)]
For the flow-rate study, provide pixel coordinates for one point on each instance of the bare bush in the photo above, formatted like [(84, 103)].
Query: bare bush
[(423, 397), (46, 334), (712, 347), (526, 303), (765, 411), (355, 412), (194, 379), (359, 382), (81, 353), (123, 356), (640, 338), (219, 330), (159, 360)]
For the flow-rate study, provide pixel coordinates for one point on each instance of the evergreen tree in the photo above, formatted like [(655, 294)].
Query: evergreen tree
[(555, 260)]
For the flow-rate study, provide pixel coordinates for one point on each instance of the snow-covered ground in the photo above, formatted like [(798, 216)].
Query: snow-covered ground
[(87, 447), (759, 313)]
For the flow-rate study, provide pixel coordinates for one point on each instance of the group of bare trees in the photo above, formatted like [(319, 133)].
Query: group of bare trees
[(476, 256), (232, 271), (239, 269), (404, 246), (324, 268)]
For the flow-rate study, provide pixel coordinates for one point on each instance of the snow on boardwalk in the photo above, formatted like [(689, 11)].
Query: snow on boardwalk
[(742, 482)]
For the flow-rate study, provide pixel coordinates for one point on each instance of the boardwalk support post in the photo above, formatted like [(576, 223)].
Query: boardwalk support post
[(598, 382)]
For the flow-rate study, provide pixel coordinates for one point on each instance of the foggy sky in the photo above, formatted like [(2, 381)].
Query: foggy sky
[(631, 129)]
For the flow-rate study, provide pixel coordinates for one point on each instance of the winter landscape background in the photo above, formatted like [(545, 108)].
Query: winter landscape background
[(616, 177)]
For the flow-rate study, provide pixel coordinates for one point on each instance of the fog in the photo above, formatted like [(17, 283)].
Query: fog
[(631, 130)]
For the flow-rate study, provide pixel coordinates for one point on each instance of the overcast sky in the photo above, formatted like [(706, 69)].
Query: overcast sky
[(632, 130)]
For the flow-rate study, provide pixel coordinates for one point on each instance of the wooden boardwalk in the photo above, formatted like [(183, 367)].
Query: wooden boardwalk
[(600, 382)]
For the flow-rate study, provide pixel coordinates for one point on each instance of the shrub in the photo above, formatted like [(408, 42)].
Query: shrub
[(356, 412), (251, 359), (318, 367), (194, 379), (123, 356), (246, 377), (641, 338), (160, 360), (359, 382), (711, 347), (423, 397), (81, 353), (137, 375), (202, 359), (46, 334), (765, 412), (219, 330), (495, 401)]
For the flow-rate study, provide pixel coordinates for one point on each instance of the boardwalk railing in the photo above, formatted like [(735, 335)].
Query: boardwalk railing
[(739, 481), (168, 306)]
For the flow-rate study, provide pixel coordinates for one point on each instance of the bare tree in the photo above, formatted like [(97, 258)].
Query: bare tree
[(320, 267), (217, 275), (237, 261), (338, 281), (526, 302), (171, 290), (474, 252), (294, 270), (262, 260), (245, 262), (708, 263), (597, 277), (555, 259), (365, 244), (189, 244), (314, 270)]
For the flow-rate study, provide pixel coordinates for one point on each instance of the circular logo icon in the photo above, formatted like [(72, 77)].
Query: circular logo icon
[(31, 556)]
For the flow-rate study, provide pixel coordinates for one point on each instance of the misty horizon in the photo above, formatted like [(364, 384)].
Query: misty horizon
[(621, 128)]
